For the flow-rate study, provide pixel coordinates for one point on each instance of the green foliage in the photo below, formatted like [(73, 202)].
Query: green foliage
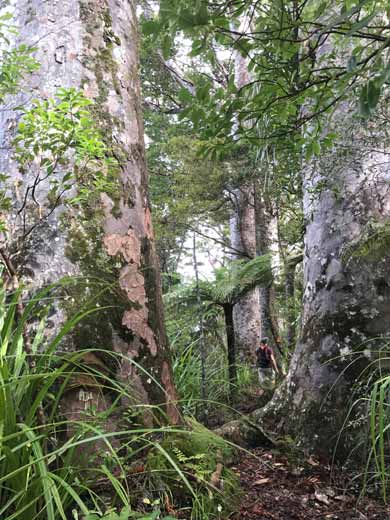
[(33, 482), (182, 320), (15, 62), (126, 514), (237, 279), (230, 283), (54, 132), (183, 315), (289, 64), (195, 455), (187, 191), (49, 468), (379, 433)]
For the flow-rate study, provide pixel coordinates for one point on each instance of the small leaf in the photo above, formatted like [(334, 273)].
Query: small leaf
[(261, 481), (185, 95)]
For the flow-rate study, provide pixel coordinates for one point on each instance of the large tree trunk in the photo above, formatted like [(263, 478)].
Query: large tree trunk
[(93, 45), (346, 308)]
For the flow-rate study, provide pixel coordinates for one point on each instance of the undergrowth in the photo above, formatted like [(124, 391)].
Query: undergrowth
[(55, 465), (367, 424)]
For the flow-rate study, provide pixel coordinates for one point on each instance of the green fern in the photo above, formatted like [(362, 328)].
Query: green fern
[(229, 285), (195, 464)]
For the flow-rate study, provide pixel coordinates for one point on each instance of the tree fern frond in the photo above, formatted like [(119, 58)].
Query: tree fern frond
[(230, 284)]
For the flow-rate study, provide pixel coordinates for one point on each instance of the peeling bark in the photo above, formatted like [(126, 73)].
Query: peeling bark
[(93, 45)]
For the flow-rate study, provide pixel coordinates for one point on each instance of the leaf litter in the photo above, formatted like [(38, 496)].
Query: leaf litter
[(276, 489)]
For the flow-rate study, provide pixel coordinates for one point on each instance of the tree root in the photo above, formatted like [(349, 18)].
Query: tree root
[(245, 433)]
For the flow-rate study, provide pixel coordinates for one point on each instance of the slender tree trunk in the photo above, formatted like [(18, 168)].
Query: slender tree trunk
[(231, 349), (267, 326), (93, 45), (202, 343)]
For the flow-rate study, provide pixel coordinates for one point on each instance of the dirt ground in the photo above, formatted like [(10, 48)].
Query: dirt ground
[(275, 489)]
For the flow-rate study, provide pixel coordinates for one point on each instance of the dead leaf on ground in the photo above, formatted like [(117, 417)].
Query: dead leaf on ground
[(261, 481), (322, 498), (312, 461)]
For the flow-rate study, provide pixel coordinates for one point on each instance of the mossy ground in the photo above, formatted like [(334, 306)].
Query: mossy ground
[(183, 465)]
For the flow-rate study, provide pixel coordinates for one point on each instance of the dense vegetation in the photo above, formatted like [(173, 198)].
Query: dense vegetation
[(129, 379)]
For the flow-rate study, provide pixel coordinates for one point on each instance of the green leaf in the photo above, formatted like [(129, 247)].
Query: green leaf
[(150, 27), (369, 97), (166, 44), (362, 23), (185, 95)]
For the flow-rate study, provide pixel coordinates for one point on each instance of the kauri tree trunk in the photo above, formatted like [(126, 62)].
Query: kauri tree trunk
[(246, 313), (346, 307), (290, 267), (93, 45)]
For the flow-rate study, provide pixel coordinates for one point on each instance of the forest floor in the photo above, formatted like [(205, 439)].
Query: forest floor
[(278, 486), (278, 489)]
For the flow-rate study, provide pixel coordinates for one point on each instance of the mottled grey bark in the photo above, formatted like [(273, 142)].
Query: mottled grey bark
[(346, 307), (93, 45), (52, 27)]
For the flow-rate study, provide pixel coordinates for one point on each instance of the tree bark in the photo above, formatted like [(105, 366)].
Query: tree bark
[(262, 237), (93, 45), (246, 313), (346, 307)]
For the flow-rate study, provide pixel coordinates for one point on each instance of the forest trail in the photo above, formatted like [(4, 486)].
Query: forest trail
[(276, 489)]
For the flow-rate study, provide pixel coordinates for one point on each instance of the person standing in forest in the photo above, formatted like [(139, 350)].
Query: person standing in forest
[(266, 363)]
